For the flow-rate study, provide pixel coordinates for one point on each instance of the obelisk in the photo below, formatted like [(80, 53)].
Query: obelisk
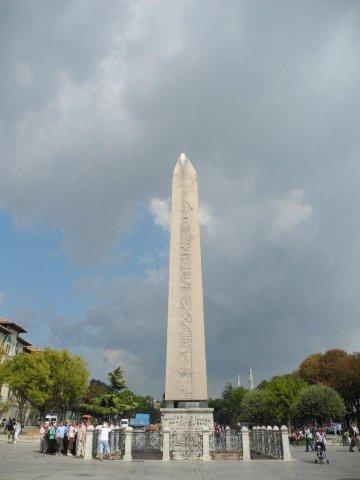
[(185, 384), (185, 353)]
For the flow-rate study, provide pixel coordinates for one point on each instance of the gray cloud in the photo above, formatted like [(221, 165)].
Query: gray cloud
[(264, 98)]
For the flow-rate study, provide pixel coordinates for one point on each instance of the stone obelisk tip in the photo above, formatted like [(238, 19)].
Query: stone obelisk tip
[(184, 165), (183, 158)]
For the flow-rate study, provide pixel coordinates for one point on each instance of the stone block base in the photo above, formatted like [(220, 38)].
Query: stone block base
[(186, 427)]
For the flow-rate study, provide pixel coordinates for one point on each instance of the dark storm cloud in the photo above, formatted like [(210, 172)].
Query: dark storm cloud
[(264, 98)]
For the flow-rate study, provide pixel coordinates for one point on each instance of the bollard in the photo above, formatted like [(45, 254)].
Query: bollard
[(285, 443), (206, 444), (89, 442), (128, 437), (166, 444), (245, 443)]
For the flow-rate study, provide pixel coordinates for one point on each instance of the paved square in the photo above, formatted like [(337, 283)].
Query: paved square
[(23, 462)]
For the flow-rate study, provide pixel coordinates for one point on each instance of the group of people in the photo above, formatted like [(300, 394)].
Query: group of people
[(58, 438), (318, 434), (68, 438), (12, 429)]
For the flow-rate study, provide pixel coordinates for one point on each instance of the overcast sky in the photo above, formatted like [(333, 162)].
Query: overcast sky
[(98, 99)]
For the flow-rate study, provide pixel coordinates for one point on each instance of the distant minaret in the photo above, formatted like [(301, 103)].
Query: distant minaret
[(251, 379), (238, 380)]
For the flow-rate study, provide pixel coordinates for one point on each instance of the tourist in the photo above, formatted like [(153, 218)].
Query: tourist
[(10, 429), (51, 439), (7, 425), (43, 435), (320, 438), (294, 439), (16, 431), (309, 439), (104, 441), (71, 435), (354, 437), (81, 437), (60, 434)]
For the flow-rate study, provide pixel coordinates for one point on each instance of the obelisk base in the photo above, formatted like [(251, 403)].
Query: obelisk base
[(186, 427)]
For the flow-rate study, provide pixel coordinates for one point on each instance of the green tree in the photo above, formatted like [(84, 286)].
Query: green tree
[(69, 376), (337, 369), (48, 380), (284, 391), (353, 376), (227, 409), (96, 388), (112, 405), (117, 379), (257, 407), (29, 378), (320, 403)]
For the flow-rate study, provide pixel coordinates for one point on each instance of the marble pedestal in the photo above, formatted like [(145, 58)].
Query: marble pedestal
[(186, 427)]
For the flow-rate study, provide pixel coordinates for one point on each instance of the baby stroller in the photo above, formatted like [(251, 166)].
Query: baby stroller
[(320, 453)]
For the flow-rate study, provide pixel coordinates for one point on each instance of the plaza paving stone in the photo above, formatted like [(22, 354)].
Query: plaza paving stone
[(23, 462)]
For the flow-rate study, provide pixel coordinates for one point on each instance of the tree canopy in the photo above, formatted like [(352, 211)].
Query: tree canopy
[(227, 409), (283, 393), (117, 379), (48, 380), (337, 369), (320, 403), (257, 407)]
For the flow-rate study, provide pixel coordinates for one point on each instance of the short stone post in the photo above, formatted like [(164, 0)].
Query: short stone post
[(245, 443), (89, 442), (166, 444), (285, 443), (128, 437), (206, 444)]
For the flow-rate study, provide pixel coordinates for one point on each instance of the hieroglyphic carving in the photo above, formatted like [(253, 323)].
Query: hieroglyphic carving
[(185, 314)]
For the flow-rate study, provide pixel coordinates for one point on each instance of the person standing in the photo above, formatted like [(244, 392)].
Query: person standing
[(42, 433), (10, 429), (51, 437), (81, 438), (309, 439), (354, 437), (104, 441), (60, 433), (320, 438), (71, 435), (16, 431)]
